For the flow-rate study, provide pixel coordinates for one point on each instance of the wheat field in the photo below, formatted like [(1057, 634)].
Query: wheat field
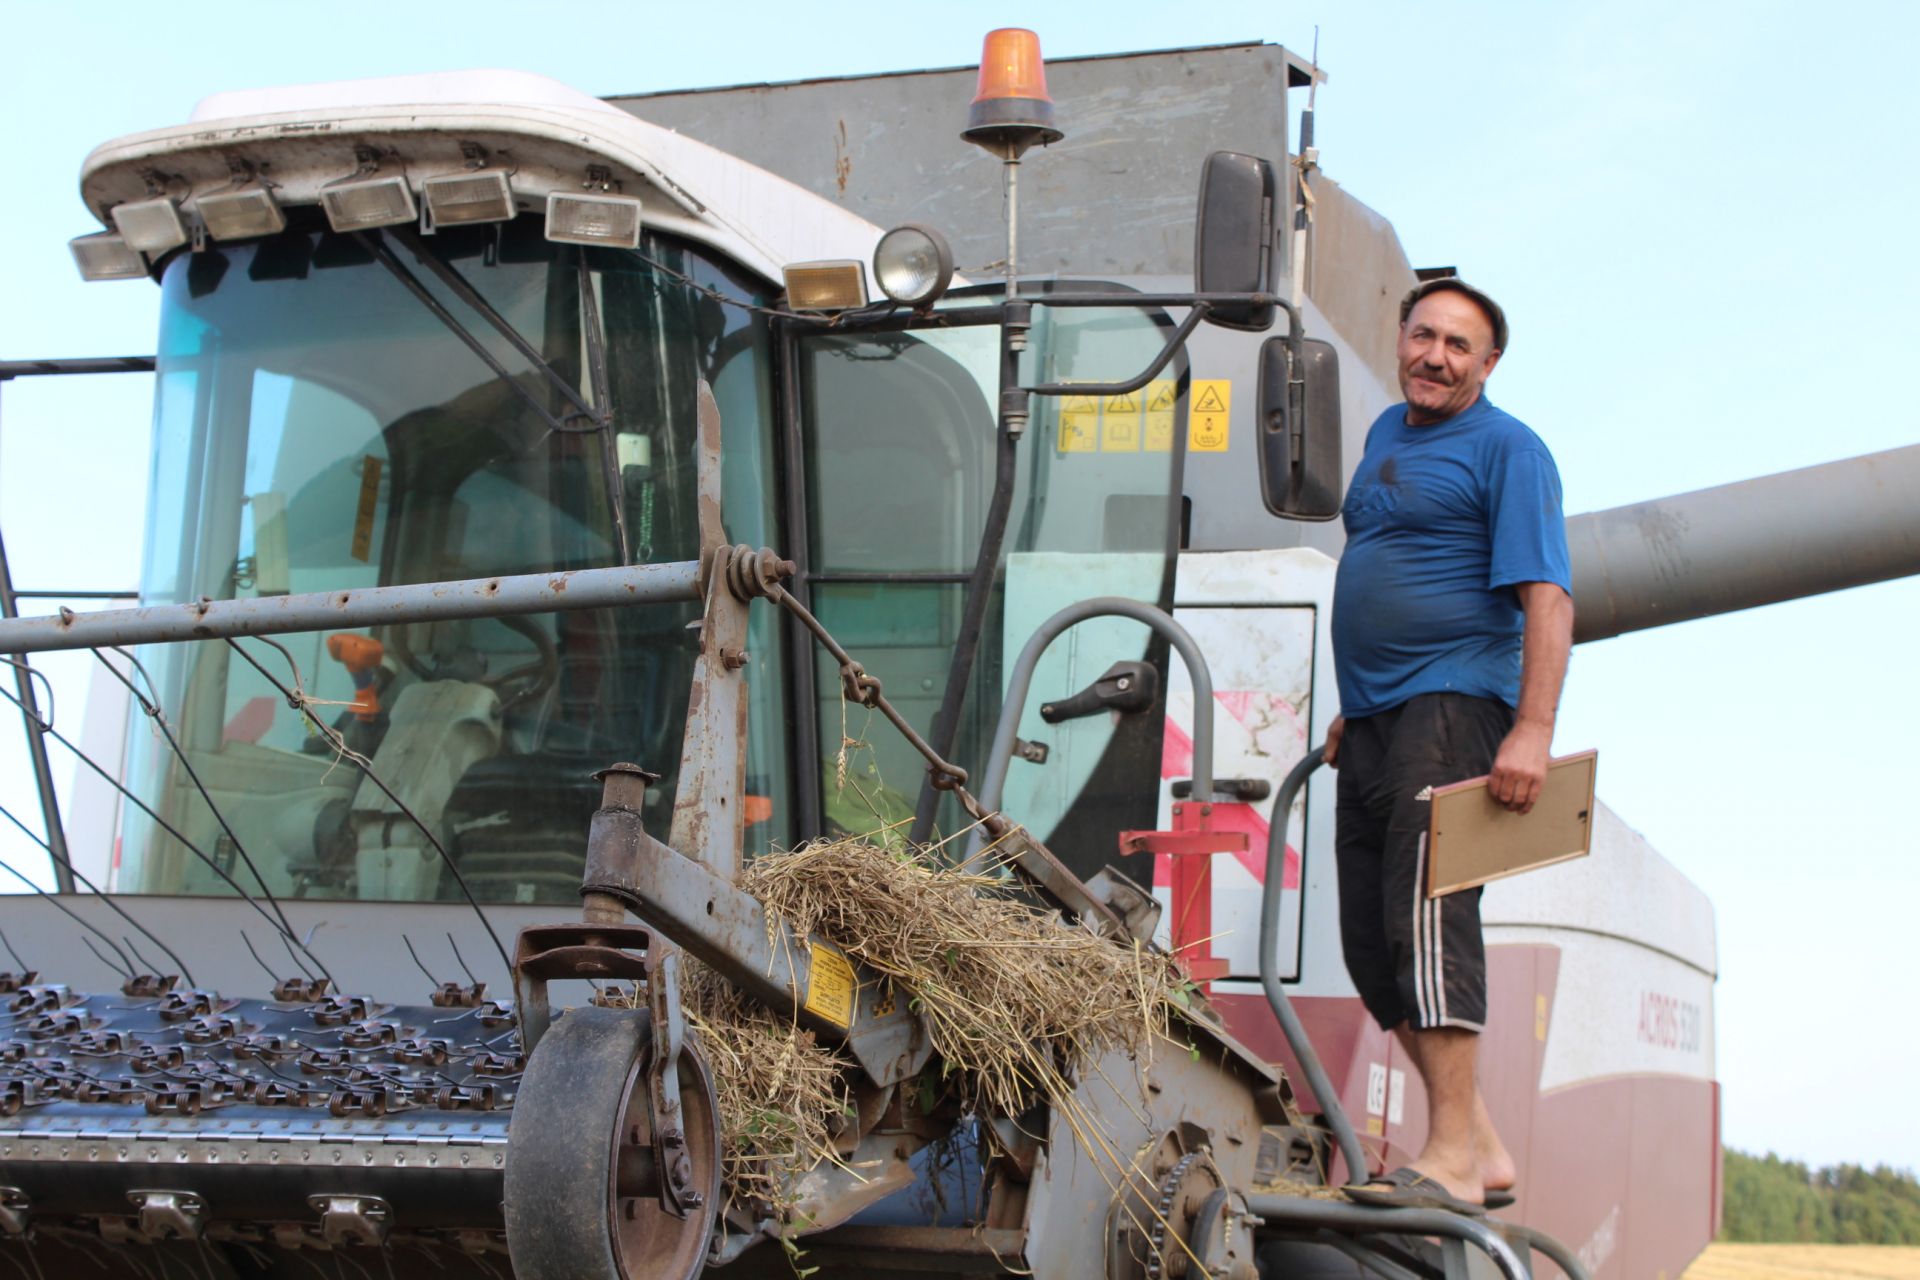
[(1805, 1262)]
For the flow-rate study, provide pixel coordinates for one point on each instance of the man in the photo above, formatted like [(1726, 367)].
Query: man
[(1452, 619)]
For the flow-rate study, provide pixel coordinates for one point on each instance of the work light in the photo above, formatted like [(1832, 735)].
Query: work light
[(594, 219), (105, 256), (467, 198), (362, 204), (241, 215), (150, 226), (912, 264), (835, 285)]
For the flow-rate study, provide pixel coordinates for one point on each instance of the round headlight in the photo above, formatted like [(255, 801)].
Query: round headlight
[(913, 264)]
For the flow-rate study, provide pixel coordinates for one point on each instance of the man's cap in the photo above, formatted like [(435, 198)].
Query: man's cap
[(1455, 284)]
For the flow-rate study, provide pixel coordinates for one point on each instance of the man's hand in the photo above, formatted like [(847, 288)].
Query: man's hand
[(1520, 768), (1334, 730)]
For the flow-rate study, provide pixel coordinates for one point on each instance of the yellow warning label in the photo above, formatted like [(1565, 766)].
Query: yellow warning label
[(369, 504), (1120, 423), (1158, 435), (831, 987), (1375, 1126), (1540, 1017), (1079, 424), (1207, 415)]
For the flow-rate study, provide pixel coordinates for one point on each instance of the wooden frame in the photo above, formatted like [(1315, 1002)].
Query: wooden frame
[(1472, 838)]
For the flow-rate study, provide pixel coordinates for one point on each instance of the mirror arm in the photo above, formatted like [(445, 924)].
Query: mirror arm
[(1174, 343), (1296, 389)]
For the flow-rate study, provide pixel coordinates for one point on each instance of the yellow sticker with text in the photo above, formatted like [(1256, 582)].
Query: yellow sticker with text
[(1540, 1017), (1211, 401), (362, 548), (1158, 415), (1120, 423), (1079, 424), (831, 986)]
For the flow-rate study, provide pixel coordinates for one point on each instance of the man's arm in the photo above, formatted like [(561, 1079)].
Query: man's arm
[(1520, 768)]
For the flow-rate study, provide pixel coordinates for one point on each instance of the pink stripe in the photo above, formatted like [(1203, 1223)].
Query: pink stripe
[(1176, 751)]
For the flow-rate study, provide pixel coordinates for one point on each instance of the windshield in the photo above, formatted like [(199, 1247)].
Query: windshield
[(319, 427)]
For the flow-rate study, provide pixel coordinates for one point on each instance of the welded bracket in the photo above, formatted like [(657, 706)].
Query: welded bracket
[(594, 953), (168, 1215), (349, 1220)]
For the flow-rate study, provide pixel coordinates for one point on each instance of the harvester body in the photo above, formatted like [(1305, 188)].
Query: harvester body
[(518, 506)]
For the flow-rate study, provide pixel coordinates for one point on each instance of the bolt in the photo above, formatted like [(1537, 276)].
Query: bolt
[(733, 659), (680, 1172), (1124, 683), (673, 1139), (692, 1199), (626, 786)]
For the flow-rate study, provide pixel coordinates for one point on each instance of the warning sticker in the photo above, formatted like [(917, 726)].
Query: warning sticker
[(1120, 423), (1158, 433), (1207, 415), (831, 986), (1079, 424), (370, 467)]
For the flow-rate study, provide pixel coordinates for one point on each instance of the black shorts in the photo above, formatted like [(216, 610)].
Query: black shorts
[(1414, 959)]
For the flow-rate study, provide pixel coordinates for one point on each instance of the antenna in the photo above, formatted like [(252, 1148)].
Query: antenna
[(1304, 163)]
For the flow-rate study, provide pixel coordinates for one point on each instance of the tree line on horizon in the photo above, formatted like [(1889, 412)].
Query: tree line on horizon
[(1768, 1200)]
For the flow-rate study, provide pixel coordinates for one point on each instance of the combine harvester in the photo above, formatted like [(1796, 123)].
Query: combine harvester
[(504, 435)]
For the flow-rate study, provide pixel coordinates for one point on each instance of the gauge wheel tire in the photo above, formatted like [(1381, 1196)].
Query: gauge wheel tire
[(578, 1199)]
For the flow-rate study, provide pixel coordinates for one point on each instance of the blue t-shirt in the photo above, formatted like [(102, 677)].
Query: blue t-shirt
[(1442, 521)]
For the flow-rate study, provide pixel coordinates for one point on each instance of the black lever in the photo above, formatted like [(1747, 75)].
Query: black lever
[(1127, 686)]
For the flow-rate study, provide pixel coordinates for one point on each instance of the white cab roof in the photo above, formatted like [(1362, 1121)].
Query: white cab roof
[(544, 134)]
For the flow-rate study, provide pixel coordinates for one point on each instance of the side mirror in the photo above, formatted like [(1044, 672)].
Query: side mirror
[(1233, 236), (1300, 429)]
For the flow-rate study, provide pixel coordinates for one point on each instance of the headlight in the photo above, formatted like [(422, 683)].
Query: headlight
[(913, 265)]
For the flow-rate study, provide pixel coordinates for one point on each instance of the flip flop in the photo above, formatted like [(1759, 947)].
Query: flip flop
[(1408, 1188), (1497, 1200)]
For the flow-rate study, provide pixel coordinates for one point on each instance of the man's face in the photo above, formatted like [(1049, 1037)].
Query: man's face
[(1445, 352)]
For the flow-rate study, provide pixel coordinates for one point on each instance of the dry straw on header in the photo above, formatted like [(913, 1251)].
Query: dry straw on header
[(1015, 1001)]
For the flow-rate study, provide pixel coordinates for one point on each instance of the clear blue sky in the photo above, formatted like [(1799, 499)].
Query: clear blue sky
[(1699, 217)]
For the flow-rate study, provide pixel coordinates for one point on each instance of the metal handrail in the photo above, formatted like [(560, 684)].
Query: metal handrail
[(359, 607), (993, 778), (1323, 1091), (1364, 1220)]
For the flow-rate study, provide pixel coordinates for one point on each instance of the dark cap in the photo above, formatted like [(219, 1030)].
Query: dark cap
[(1455, 284)]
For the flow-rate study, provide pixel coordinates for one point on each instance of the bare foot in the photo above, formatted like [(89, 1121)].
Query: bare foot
[(1457, 1171), (1495, 1164)]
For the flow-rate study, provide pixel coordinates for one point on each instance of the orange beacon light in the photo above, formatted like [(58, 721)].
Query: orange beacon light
[(1011, 109)]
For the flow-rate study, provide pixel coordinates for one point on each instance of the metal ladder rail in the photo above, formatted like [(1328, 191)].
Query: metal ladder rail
[(1362, 1220)]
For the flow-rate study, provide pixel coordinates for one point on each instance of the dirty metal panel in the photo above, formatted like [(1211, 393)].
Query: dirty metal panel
[(1134, 1102), (888, 148)]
